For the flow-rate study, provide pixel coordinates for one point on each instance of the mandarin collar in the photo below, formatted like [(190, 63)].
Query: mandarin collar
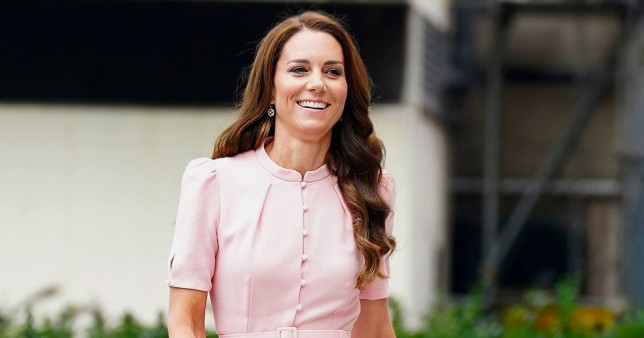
[(288, 174)]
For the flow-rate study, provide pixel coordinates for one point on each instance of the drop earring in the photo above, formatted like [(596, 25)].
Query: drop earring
[(271, 111)]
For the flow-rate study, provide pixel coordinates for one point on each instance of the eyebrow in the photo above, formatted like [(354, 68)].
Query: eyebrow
[(330, 62)]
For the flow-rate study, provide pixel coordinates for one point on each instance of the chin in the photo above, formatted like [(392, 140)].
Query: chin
[(318, 133)]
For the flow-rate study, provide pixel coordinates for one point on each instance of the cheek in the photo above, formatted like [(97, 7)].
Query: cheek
[(284, 89), (342, 90), (341, 94)]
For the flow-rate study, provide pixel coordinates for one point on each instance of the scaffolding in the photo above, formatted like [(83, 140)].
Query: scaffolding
[(628, 54), (630, 86)]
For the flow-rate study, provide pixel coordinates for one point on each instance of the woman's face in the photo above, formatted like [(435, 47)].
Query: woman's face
[(310, 87)]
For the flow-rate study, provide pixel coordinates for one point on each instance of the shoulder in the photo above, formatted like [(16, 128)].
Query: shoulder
[(199, 169), (387, 187), (203, 168), (386, 180)]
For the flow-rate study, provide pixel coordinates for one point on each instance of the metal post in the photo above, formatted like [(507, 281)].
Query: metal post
[(634, 215), (576, 235), (631, 101), (494, 112), (563, 146)]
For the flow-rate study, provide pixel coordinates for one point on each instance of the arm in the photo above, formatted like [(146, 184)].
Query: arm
[(373, 321), (191, 264), (186, 313)]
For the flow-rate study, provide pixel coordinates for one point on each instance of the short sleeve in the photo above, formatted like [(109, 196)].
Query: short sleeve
[(379, 288), (194, 247)]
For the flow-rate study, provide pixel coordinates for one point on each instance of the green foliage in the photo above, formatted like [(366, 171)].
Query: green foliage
[(65, 326), (466, 319), (632, 325), (567, 292), (536, 317)]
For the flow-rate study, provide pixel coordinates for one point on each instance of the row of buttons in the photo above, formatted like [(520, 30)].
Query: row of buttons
[(305, 233)]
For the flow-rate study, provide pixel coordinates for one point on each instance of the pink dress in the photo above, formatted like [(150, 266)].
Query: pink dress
[(273, 249)]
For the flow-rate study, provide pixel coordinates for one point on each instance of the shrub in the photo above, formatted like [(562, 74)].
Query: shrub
[(562, 317)]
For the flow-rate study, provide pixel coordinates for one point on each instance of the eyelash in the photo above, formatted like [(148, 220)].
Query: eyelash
[(332, 71)]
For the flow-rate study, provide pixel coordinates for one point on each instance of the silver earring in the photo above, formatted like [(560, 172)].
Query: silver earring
[(271, 111)]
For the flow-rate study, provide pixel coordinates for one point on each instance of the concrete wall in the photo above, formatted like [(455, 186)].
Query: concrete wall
[(534, 116), (552, 42), (88, 200), (436, 11), (417, 156), (89, 197)]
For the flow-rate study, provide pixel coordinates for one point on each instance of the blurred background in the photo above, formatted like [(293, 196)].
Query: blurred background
[(514, 130)]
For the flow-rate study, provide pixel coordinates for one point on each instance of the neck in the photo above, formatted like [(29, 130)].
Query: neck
[(298, 155)]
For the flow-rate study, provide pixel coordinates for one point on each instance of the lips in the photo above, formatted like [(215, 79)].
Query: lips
[(313, 104)]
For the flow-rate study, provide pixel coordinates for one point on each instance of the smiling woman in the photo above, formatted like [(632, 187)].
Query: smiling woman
[(310, 89), (288, 226)]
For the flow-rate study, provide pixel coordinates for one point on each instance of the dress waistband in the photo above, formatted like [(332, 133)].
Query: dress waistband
[(292, 332)]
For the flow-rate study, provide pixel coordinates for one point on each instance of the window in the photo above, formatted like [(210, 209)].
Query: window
[(165, 52)]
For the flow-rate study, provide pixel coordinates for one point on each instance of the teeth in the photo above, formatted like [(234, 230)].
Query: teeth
[(311, 104)]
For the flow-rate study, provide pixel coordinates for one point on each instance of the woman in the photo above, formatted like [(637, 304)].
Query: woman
[(288, 226)]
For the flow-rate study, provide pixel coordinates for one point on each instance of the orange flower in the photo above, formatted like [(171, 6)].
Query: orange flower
[(548, 319), (591, 319), (586, 319)]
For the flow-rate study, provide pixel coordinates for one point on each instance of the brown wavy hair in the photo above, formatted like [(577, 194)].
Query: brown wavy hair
[(356, 154)]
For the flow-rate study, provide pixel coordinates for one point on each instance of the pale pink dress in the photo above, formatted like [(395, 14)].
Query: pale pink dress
[(273, 248)]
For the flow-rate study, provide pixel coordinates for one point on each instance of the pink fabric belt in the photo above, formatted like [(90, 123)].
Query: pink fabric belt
[(291, 332)]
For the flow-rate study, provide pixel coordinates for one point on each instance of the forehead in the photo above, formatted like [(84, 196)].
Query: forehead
[(312, 45)]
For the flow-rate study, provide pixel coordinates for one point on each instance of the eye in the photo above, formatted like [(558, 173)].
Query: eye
[(298, 70), (334, 72)]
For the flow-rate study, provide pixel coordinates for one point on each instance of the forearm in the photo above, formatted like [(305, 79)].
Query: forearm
[(186, 313), (186, 331), (387, 332), (384, 330), (373, 321)]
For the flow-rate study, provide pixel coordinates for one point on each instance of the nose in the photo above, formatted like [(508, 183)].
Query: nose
[(316, 83)]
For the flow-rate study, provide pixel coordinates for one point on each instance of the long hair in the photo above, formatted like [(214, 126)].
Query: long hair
[(356, 154)]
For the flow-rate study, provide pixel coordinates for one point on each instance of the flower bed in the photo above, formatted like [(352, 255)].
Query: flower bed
[(559, 317)]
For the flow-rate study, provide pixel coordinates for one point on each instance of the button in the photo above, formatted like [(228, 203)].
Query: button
[(298, 307), (305, 207), (304, 258), (303, 282), (303, 184), (305, 232)]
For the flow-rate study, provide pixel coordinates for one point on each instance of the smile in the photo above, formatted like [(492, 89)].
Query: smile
[(313, 104)]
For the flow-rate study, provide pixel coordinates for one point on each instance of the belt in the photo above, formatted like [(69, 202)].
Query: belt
[(292, 332)]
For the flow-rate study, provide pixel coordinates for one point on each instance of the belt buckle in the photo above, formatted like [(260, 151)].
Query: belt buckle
[(287, 332)]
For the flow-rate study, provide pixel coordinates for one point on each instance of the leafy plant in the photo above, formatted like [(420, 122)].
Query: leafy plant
[(538, 316)]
